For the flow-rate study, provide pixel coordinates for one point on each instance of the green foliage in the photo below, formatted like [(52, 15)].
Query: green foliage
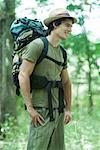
[(97, 49), (17, 3), (72, 7), (83, 57), (80, 46), (1, 6), (8, 126), (77, 44), (15, 130), (84, 131), (80, 20), (41, 1)]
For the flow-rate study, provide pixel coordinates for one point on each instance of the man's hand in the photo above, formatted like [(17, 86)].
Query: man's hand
[(67, 117), (36, 118)]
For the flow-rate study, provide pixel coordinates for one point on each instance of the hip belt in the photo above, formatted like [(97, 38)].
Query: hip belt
[(39, 82)]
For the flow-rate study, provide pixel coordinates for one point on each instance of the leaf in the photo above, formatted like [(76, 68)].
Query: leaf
[(81, 20), (41, 1), (72, 7)]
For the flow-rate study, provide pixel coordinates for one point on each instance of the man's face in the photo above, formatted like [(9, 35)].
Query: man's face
[(64, 29)]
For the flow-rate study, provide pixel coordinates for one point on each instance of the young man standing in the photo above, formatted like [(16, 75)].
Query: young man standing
[(46, 105)]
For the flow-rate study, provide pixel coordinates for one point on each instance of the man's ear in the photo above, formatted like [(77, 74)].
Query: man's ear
[(57, 23), (54, 25)]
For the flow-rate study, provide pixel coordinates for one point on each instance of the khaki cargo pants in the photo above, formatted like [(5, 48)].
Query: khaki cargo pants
[(49, 136)]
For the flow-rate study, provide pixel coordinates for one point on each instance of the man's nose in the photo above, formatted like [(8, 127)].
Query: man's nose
[(69, 29)]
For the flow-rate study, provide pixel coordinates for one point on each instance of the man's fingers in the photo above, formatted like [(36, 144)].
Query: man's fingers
[(68, 115), (67, 119), (38, 119), (35, 121), (41, 118)]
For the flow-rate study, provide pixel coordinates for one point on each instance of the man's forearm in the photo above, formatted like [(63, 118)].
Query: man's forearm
[(68, 95), (25, 89)]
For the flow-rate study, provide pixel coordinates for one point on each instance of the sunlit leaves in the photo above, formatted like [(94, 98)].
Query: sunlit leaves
[(41, 1), (72, 7)]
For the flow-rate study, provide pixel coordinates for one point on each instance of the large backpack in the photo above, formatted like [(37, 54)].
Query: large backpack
[(25, 30)]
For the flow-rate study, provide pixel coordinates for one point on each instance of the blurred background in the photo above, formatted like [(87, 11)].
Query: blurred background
[(83, 49)]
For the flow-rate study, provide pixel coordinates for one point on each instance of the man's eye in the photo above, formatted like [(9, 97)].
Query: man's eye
[(68, 25)]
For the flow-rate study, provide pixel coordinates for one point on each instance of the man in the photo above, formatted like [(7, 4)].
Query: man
[(47, 116)]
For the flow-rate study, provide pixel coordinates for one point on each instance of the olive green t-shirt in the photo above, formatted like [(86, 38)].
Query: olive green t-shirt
[(45, 68)]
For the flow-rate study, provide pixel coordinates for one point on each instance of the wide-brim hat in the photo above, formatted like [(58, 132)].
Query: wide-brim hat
[(58, 14)]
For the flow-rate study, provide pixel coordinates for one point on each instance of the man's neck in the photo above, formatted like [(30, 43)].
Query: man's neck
[(53, 40)]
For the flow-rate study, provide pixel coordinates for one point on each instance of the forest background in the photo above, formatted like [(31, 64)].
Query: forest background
[(83, 49)]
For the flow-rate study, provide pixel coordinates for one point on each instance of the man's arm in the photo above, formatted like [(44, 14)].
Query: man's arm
[(26, 70), (67, 94)]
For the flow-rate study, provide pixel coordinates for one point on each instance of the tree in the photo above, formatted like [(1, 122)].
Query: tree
[(7, 96)]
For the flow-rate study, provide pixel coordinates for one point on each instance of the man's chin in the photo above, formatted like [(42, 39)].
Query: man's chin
[(64, 38)]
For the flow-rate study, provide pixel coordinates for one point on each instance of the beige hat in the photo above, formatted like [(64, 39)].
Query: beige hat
[(57, 14)]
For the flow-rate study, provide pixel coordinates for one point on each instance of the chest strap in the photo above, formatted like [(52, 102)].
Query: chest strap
[(55, 61)]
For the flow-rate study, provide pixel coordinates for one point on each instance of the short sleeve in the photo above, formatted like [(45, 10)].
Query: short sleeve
[(33, 50)]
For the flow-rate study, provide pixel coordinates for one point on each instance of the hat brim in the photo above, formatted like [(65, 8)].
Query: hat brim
[(47, 21)]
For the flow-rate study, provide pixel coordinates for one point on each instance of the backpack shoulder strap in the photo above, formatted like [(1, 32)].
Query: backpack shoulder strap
[(64, 54), (44, 51)]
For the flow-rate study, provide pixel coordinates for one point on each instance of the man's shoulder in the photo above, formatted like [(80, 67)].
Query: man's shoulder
[(35, 45), (33, 50)]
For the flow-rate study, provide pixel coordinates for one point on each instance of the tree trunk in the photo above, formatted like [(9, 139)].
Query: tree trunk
[(8, 100), (90, 85), (0, 69), (88, 52)]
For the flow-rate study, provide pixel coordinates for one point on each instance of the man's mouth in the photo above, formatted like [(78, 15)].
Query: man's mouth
[(65, 32)]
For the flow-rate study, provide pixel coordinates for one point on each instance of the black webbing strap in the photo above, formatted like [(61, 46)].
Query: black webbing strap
[(50, 101), (64, 55), (61, 100), (55, 61), (44, 51), (54, 84)]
